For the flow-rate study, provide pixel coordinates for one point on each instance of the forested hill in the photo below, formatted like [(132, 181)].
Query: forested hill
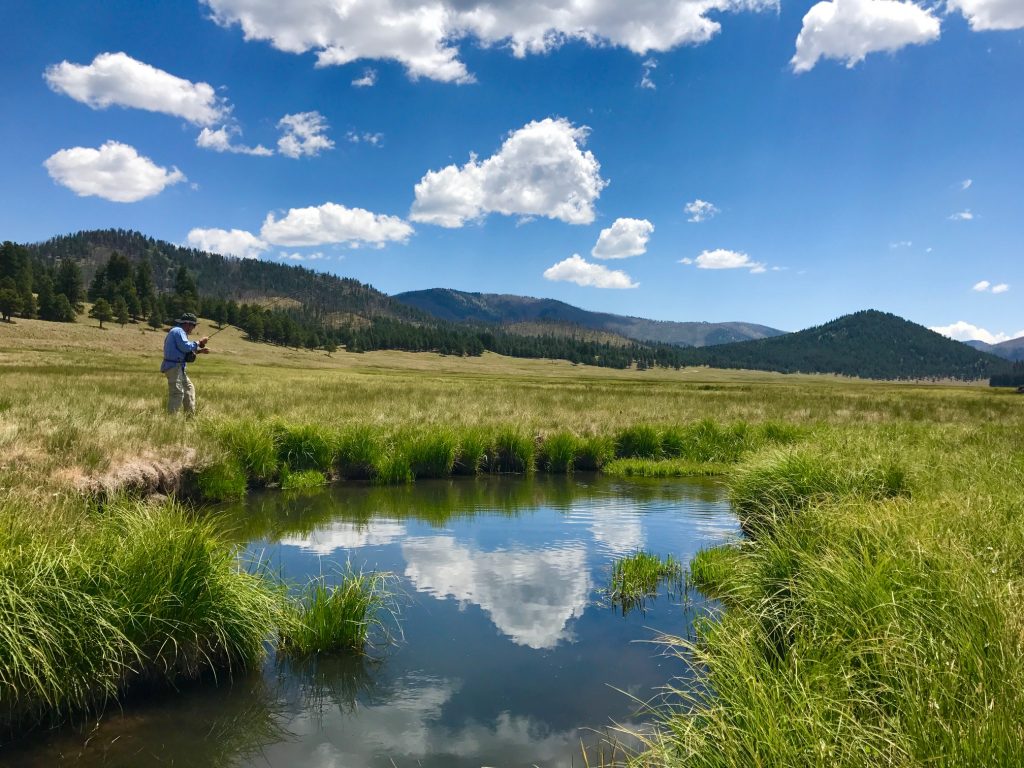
[(225, 277), (868, 344), (505, 309)]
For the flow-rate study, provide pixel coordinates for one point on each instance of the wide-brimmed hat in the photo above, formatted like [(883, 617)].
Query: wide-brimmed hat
[(187, 317)]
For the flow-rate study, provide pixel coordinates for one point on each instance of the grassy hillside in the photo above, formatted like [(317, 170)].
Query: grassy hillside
[(459, 306)]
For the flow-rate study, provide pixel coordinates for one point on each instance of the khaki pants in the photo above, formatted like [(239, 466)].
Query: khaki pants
[(180, 392)]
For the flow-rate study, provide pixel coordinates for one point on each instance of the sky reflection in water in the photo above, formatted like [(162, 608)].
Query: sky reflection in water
[(508, 651)]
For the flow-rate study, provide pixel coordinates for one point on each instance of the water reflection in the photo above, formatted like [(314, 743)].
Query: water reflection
[(509, 657), (530, 595)]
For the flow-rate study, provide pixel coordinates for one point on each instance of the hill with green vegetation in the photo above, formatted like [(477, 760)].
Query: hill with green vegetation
[(868, 344), (502, 309), (128, 278)]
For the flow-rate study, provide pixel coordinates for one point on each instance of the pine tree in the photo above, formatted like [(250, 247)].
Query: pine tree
[(101, 311), (120, 310), (69, 283), (156, 321), (10, 300)]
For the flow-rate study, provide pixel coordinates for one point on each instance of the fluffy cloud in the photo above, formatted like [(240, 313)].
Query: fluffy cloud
[(963, 331), (983, 285), (118, 79), (720, 258), (424, 35), (577, 270), (333, 223), (368, 80), (962, 216), (235, 242), (990, 14), (114, 172), (1001, 288), (624, 238), (540, 170), (849, 30), (966, 184), (220, 141), (700, 210), (304, 134)]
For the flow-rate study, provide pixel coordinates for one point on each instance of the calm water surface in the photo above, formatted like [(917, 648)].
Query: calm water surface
[(509, 654)]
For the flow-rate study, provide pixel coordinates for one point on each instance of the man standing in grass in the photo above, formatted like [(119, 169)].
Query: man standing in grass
[(178, 351)]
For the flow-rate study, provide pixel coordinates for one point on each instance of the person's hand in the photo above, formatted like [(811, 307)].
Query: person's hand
[(202, 341)]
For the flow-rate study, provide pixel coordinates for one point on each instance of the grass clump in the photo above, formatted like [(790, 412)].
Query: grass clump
[(335, 618), (642, 441), (558, 453), (637, 577), (306, 447), (254, 445), (222, 480), (143, 593), (303, 480), (360, 449), (474, 448), (594, 452), (514, 451), (788, 480), (433, 454)]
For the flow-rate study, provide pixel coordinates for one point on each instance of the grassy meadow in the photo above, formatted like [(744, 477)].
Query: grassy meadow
[(873, 616)]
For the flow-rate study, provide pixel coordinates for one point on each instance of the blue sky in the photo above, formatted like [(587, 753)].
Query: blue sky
[(775, 162)]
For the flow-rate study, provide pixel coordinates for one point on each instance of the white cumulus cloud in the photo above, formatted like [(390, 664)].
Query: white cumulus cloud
[(220, 140), (540, 170), (964, 331), (982, 285), (1001, 288), (990, 14), (114, 172), (962, 216), (118, 79), (423, 35), (849, 30), (700, 210), (647, 81), (333, 223), (577, 270), (624, 238), (355, 137), (234, 242), (305, 134), (721, 258)]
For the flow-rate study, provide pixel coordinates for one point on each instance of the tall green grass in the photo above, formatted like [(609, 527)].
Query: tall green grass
[(514, 451), (558, 453), (636, 578), (864, 626), (785, 481), (338, 617), (143, 593)]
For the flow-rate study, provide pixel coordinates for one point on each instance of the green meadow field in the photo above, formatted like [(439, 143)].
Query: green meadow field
[(872, 615)]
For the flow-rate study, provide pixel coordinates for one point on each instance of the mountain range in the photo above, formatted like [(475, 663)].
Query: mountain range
[(1009, 350), (503, 309), (868, 344)]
